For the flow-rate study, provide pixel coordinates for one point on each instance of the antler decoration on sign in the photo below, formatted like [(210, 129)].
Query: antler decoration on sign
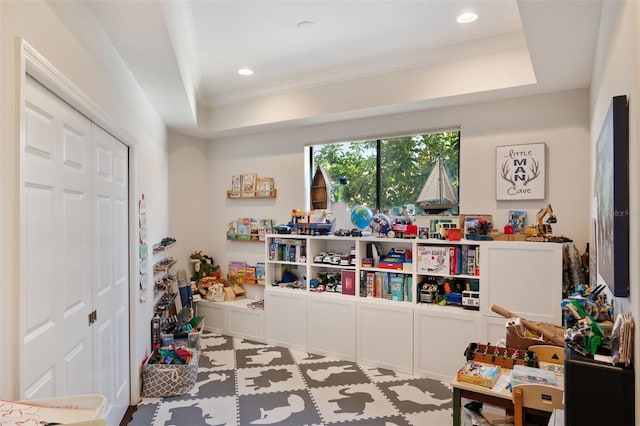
[(505, 173), (535, 172)]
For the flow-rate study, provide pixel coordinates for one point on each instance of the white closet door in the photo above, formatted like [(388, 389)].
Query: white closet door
[(111, 271), (74, 256), (55, 253)]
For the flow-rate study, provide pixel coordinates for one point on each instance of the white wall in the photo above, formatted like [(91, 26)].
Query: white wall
[(561, 120), (65, 34), (189, 199), (617, 72)]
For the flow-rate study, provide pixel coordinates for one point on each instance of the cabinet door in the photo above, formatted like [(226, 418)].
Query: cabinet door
[(524, 278), (244, 322), (442, 335), (385, 334), (214, 316), (286, 321), (492, 329), (331, 326)]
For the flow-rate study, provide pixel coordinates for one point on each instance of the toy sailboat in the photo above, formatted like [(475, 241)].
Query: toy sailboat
[(438, 193), (319, 189)]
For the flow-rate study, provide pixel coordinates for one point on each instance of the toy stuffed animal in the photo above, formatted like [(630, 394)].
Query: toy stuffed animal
[(217, 292)]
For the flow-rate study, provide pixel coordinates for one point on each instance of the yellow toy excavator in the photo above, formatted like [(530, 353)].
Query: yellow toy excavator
[(541, 231)]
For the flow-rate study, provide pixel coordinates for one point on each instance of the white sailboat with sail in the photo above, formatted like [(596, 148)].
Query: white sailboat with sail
[(438, 193)]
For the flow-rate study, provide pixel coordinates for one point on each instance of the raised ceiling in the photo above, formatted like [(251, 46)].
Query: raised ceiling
[(318, 61)]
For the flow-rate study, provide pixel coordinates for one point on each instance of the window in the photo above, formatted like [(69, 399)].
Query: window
[(419, 173)]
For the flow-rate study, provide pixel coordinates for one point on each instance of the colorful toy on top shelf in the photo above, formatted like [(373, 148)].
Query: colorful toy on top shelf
[(380, 225), (541, 231), (361, 217), (315, 222), (478, 229)]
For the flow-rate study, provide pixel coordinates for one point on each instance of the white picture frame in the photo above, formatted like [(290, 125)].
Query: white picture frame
[(521, 172)]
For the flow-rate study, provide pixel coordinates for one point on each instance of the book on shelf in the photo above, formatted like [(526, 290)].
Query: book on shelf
[(370, 283), (286, 250), (385, 285), (264, 186), (348, 280), (518, 220), (448, 260), (236, 183), (249, 182), (397, 287), (250, 275), (260, 272), (236, 273)]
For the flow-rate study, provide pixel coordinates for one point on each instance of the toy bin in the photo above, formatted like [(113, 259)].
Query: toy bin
[(192, 338), (160, 380)]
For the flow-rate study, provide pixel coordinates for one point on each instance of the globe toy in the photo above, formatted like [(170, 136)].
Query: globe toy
[(380, 224), (361, 216)]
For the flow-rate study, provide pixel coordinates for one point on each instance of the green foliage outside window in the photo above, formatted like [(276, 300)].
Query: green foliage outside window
[(405, 164)]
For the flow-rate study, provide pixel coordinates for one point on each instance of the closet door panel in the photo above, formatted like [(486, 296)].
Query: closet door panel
[(111, 274), (55, 248)]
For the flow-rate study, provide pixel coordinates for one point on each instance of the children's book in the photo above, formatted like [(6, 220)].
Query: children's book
[(236, 183), (264, 186), (236, 272), (397, 287), (518, 219), (260, 273), (250, 275)]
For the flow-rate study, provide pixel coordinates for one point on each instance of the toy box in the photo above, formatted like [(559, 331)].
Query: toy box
[(433, 259), (522, 374), (478, 373)]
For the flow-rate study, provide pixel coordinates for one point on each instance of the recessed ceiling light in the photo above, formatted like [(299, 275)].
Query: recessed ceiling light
[(467, 17), (245, 71)]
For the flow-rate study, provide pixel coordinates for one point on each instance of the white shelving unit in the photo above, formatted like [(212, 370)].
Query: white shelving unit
[(406, 335)]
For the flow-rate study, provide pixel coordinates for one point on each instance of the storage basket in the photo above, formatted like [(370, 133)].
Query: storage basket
[(159, 380)]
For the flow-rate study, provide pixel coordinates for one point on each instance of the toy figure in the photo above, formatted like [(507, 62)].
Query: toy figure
[(216, 293)]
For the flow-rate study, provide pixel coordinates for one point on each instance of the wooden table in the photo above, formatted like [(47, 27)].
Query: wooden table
[(480, 394), (483, 394)]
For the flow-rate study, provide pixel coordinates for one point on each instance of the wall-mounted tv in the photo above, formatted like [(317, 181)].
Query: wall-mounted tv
[(612, 195)]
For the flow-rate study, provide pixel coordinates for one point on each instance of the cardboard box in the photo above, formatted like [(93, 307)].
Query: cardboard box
[(520, 338)]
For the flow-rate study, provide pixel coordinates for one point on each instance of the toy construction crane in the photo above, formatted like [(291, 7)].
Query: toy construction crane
[(541, 231)]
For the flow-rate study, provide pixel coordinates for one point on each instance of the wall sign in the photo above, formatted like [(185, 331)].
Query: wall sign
[(520, 172)]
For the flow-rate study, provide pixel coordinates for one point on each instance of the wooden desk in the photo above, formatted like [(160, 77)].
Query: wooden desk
[(482, 394)]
